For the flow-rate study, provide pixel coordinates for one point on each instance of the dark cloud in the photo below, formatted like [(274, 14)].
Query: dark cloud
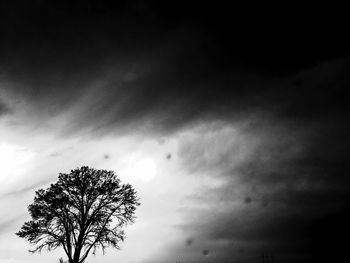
[(272, 103), (292, 177), (289, 166), (171, 95), (150, 68)]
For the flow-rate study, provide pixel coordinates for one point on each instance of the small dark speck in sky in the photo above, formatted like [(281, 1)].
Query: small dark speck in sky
[(205, 252), (106, 156), (265, 203), (168, 156), (248, 200), (189, 241)]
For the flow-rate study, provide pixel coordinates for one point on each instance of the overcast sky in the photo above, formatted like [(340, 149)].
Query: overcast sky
[(232, 124)]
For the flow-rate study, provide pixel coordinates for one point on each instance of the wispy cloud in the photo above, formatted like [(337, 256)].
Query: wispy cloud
[(248, 129)]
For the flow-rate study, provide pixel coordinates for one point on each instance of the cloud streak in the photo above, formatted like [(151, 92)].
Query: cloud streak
[(276, 180), (168, 75), (260, 119)]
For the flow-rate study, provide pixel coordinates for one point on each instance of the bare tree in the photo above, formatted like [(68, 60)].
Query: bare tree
[(83, 211)]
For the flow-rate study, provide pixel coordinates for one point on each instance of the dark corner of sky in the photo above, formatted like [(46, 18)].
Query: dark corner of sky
[(276, 77)]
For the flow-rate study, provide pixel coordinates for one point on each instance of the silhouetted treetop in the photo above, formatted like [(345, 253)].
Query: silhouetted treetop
[(83, 211)]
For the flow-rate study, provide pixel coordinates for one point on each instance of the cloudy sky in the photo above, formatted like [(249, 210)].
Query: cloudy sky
[(232, 124)]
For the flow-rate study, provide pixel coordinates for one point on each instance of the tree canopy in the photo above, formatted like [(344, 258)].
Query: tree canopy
[(83, 211)]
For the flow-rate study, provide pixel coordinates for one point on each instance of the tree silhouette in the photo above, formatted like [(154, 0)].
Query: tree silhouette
[(83, 211)]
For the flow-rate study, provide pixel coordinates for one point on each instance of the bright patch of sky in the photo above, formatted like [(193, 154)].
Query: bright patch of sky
[(151, 166)]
